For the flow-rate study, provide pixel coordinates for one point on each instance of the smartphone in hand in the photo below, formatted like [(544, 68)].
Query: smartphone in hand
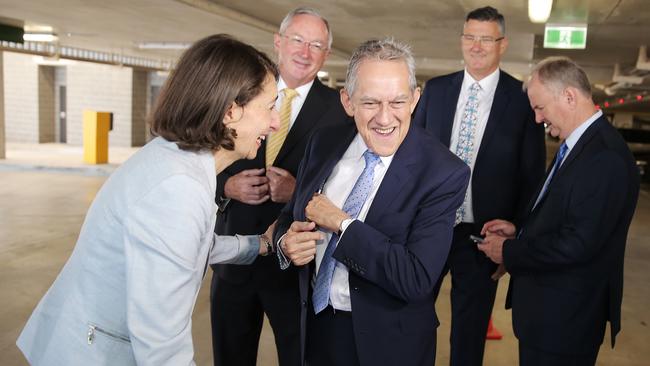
[(476, 239)]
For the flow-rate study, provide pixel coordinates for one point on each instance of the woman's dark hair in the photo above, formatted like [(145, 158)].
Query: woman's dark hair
[(212, 74)]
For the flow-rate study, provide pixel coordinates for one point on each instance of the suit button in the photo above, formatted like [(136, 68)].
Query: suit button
[(355, 288), (303, 303)]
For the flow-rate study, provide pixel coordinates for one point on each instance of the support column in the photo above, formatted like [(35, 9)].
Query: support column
[(138, 108), (46, 115), (3, 154)]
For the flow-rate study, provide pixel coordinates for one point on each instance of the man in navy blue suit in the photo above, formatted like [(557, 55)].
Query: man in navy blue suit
[(566, 257), (482, 115), (370, 223)]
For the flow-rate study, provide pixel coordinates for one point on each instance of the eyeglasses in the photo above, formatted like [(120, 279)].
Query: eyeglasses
[(297, 41), (483, 40)]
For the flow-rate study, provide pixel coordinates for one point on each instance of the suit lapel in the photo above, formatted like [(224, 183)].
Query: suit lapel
[(398, 174), (499, 104), (533, 199), (337, 145), (311, 111), (582, 142), (449, 104), (573, 155)]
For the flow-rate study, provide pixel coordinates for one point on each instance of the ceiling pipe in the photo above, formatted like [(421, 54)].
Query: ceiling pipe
[(628, 79), (642, 62)]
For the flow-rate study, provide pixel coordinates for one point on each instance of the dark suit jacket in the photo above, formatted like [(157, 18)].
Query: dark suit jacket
[(511, 157), (567, 265), (322, 107), (395, 257)]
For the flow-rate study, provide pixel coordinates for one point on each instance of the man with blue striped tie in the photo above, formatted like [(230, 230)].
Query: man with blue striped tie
[(370, 223)]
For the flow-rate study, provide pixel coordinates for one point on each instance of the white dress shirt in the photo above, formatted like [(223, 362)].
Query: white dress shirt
[(570, 142), (573, 138), (337, 188), (488, 85), (298, 100)]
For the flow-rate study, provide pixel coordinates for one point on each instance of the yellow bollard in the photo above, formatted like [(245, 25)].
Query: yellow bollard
[(95, 136)]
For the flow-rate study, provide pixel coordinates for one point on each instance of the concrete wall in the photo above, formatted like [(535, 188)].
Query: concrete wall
[(101, 88), (32, 105), (21, 84)]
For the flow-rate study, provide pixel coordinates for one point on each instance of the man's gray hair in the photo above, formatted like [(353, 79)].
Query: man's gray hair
[(557, 73), (286, 22), (387, 49)]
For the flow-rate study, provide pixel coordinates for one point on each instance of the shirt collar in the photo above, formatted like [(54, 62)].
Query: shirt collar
[(302, 89), (358, 147), (573, 138), (488, 84)]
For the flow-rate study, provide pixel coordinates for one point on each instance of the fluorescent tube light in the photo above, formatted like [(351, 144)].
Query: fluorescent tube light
[(163, 45), (40, 37)]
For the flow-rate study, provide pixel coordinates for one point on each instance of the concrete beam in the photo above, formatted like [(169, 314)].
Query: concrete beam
[(3, 154), (214, 8)]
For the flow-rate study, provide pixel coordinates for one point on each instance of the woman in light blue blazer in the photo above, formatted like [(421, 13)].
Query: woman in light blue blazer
[(126, 294)]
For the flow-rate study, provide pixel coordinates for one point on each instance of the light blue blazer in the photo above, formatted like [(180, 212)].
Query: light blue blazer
[(127, 292)]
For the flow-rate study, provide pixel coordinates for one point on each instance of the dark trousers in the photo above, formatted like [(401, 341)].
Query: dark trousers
[(237, 313), (472, 296), (530, 356), (330, 338)]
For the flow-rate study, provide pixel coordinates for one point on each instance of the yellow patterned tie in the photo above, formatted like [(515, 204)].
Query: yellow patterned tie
[(276, 139)]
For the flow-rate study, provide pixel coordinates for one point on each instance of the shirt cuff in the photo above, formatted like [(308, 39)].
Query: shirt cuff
[(238, 249), (345, 224), (282, 259)]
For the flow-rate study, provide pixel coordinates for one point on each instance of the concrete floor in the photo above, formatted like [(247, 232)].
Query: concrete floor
[(45, 191)]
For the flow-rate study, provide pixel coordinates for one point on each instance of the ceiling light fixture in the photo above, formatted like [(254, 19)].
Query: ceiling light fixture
[(539, 10), (40, 37), (163, 45)]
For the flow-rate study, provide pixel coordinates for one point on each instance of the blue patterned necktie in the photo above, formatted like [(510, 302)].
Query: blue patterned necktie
[(558, 160), (467, 131), (352, 206)]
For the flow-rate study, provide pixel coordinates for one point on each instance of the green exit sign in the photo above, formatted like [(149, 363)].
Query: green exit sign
[(565, 36)]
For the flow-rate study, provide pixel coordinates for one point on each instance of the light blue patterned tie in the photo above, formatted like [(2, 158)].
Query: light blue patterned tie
[(352, 206), (467, 131), (558, 160)]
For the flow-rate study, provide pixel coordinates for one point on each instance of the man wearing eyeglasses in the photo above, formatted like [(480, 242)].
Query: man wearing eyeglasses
[(250, 194), (483, 116)]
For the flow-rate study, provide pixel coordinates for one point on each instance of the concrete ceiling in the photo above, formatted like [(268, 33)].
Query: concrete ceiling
[(617, 29)]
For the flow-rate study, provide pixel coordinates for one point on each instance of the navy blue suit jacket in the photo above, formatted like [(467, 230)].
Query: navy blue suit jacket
[(567, 265), (511, 158), (395, 257)]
